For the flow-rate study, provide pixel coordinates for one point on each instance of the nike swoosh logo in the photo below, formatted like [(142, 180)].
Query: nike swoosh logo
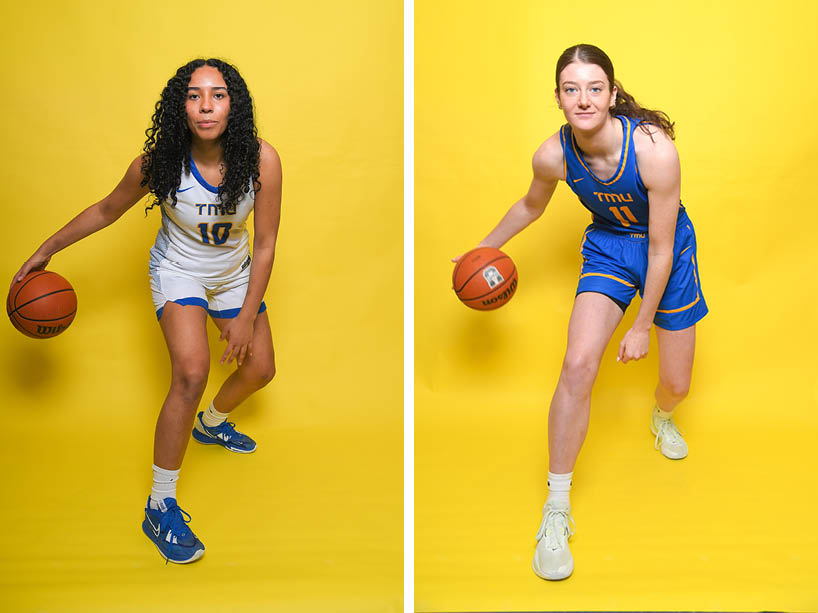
[(578, 180), (155, 528), (179, 191)]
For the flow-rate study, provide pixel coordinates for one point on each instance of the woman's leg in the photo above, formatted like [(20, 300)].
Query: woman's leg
[(185, 333), (676, 349), (593, 321), (256, 371)]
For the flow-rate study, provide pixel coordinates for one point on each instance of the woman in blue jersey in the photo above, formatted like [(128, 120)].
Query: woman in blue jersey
[(620, 160), (204, 165)]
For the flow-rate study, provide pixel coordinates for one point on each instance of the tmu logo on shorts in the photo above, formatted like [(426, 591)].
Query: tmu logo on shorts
[(246, 263)]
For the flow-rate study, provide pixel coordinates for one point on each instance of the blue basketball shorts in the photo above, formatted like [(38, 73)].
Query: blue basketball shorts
[(617, 264), (222, 300)]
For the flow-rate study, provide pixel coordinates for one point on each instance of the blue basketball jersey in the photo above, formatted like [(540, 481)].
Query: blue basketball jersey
[(618, 203)]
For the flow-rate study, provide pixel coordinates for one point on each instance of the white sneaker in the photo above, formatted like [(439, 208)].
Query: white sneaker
[(668, 438), (552, 558)]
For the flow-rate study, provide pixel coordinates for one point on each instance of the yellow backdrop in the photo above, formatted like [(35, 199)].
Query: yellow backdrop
[(732, 526), (313, 520)]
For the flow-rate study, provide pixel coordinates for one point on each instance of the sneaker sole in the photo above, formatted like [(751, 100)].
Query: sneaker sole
[(196, 555), (554, 576), (669, 457), (204, 439)]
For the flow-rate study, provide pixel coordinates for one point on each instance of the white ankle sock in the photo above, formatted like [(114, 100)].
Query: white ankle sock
[(559, 487), (660, 414), (164, 485), (212, 418)]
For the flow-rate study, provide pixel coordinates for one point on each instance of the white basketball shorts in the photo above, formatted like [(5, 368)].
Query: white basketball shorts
[(223, 300)]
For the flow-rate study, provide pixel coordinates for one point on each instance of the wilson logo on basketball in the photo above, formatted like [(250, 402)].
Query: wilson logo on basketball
[(504, 296), (49, 330)]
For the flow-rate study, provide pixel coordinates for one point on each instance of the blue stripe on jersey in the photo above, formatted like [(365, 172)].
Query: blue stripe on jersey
[(200, 178), (619, 203)]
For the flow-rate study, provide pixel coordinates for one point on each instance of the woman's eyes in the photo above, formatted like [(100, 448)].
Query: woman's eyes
[(217, 96), (573, 90)]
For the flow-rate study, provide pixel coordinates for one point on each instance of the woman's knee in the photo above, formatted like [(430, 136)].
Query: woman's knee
[(579, 372), (259, 375), (190, 380), (676, 387)]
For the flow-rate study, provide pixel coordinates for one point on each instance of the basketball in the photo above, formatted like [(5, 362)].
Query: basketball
[(42, 305), (484, 278)]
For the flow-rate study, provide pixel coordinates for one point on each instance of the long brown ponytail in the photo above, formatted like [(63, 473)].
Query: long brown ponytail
[(625, 103)]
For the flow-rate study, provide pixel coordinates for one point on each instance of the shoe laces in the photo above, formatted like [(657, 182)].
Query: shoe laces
[(176, 522), (227, 428), (668, 431), (556, 527)]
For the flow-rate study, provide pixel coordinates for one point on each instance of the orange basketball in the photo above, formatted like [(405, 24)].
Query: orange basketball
[(42, 305), (485, 278)]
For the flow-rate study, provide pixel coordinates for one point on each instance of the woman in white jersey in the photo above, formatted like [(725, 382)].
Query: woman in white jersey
[(624, 250), (206, 168)]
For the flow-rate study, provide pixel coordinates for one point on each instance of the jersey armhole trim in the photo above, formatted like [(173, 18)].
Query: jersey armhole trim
[(564, 158), (639, 183)]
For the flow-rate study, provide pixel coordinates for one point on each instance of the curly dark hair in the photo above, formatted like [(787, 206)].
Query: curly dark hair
[(167, 148)]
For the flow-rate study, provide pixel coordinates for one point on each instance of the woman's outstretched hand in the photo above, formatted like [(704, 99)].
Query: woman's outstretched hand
[(35, 262)]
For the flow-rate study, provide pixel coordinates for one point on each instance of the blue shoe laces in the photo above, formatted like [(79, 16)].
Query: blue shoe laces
[(228, 428), (174, 521)]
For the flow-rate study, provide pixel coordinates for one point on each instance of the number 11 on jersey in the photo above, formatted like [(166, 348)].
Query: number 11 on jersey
[(617, 211)]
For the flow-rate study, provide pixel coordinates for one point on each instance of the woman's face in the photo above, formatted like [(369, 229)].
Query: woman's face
[(584, 96), (208, 104)]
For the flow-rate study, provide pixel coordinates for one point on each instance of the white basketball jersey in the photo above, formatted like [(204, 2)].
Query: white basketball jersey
[(200, 236)]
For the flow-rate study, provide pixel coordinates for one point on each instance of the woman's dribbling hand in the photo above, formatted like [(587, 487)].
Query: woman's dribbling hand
[(35, 262), (459, 257), (634, 345), (239, 335)]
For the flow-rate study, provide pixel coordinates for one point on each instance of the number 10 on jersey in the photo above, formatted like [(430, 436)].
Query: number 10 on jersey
[(218, 232)]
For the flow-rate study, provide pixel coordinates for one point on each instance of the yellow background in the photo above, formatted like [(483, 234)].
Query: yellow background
[(732, 526), (313, 520)]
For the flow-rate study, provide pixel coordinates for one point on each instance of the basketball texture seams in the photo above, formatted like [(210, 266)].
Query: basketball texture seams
[(42, 305), (484, 278)]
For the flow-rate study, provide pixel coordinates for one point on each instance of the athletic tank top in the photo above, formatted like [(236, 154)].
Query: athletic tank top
[(618, 203), (200, 236)]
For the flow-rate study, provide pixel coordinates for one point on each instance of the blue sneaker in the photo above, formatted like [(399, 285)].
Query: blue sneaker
[(167, 528), (225, 435)]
